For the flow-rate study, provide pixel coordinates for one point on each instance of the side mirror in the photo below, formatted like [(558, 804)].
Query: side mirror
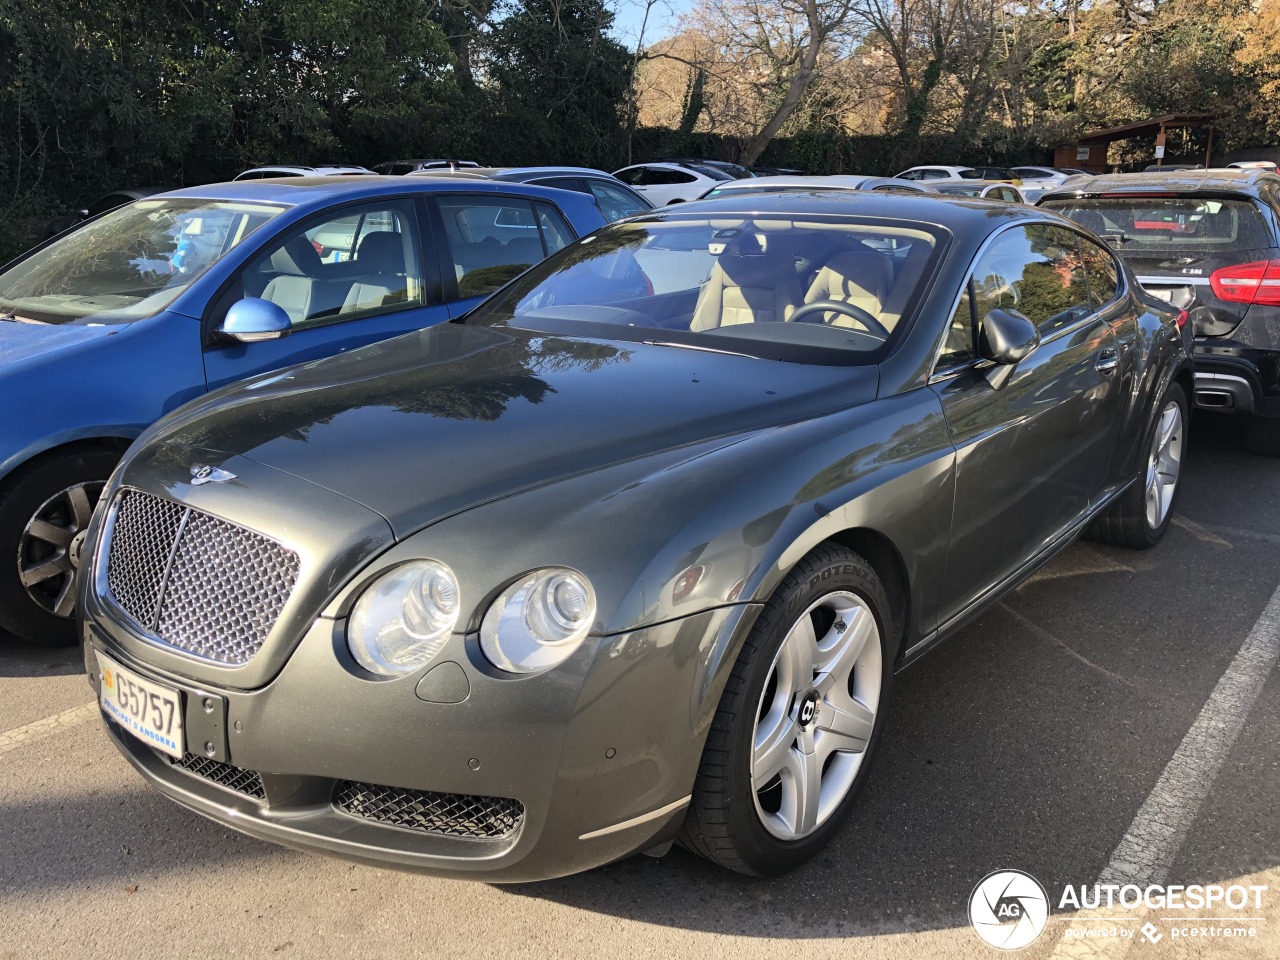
[(1007, 336), (251, 320), (674, 201)]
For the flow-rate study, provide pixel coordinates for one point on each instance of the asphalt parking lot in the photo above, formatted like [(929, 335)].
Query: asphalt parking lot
[(1038, 740)]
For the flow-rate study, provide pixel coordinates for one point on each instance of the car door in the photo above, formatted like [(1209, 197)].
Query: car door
[(1034, 442), (488, 240), (346, 278)]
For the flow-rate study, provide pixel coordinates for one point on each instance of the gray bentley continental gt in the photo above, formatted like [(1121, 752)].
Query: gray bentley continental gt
[(630, 552)]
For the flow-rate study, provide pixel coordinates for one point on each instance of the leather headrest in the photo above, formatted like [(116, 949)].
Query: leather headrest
[(296, 258), (381, 252)]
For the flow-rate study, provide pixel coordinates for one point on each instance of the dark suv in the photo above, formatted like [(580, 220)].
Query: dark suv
[(1207, 241)]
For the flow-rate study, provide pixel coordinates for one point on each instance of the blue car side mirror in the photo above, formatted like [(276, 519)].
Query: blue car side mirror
[(251, 319)]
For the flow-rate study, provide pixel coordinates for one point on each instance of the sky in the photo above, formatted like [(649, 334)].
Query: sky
[(628, 15)]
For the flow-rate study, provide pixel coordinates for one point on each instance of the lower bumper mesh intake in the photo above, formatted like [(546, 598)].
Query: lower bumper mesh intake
[(448, 814), (223, 774)]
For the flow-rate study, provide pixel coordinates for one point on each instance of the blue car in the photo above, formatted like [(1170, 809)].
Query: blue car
[(107, 328)]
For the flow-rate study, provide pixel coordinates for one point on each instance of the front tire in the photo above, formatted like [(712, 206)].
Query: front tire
[(799, 721), (1140, 517), (44, 510)]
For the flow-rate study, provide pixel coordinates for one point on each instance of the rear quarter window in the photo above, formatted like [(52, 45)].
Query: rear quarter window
[(1134, 224)]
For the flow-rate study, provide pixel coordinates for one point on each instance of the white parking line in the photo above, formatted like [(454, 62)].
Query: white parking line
[(12, 739), (1146, 852)]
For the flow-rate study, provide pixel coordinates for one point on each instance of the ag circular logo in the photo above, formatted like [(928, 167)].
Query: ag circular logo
[(1009, 909)]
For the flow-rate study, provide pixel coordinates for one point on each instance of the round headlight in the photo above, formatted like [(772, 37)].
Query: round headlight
[(404, 617), (539, 621)]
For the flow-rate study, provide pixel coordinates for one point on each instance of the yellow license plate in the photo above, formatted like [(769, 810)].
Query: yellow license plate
[(150, 711)]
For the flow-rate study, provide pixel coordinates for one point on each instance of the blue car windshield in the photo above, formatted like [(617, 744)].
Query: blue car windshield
[(129, 264), (813, 289)]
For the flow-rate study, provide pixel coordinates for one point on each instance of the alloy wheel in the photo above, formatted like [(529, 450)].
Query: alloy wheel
[(816, 715), (1164, 465), (48, 550)]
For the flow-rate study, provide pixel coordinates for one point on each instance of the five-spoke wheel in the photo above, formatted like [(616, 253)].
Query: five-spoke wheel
[(49, 551), (799, 720), (1164, 464), (816, 715)]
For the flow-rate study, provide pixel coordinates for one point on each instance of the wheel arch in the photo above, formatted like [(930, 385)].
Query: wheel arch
[(29, 459), (885, 558)]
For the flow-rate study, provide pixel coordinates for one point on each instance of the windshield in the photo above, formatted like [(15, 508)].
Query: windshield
[(130, 264), (1169, 223), (817, 289)]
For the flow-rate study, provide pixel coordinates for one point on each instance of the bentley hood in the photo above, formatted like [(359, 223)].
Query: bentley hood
[(426, 425)]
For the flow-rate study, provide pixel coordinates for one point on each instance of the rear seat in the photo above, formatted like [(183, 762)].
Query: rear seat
[(309, 290)]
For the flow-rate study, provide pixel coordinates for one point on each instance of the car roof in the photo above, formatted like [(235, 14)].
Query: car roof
[(319, 191), (663, 165), (936, 166), (849, 181), (320, 169), (958, 214), (1175, 181), (515, 173)]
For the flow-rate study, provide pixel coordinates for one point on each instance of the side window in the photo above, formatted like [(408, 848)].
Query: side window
[(563, 183), (1036, 270), (613, 202), (491, 240), (359, 264), (669, 177), (933, 175), (633, 175), (911, 175), (959, 345), (1104, 275), (556, 233)]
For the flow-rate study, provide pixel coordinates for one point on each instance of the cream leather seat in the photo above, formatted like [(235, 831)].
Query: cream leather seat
[(753, 281), (863, 278)]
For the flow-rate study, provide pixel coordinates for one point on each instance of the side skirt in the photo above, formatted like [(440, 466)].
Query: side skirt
[(986, 600)]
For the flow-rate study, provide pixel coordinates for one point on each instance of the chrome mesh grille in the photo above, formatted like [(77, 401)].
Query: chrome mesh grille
[(140, 545), (234, 778), (195, 581), (450, 814)]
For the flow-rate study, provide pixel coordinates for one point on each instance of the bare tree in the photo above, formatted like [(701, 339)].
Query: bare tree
[(762, 59)]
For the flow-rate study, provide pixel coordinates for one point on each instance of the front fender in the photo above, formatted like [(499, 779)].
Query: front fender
[(112, 388)]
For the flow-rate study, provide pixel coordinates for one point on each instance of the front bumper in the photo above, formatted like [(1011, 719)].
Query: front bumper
[(600, 754)]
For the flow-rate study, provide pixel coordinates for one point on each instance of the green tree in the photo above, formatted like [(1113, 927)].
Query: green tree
[(560, 82)]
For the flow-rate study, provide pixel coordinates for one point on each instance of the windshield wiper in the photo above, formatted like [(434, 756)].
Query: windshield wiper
[(691, 346)]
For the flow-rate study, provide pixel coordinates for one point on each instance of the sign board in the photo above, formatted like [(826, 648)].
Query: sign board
[(1082, 153), (1160, 151)]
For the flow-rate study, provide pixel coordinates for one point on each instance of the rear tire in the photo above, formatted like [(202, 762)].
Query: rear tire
[(44, 510), (808, 701), (1130, 521), (1262, 436)]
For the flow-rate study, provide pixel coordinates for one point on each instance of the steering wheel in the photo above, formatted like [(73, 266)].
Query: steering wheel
[(850, 310)]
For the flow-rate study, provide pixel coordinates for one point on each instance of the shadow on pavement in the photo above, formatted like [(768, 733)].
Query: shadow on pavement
[(18, 658)]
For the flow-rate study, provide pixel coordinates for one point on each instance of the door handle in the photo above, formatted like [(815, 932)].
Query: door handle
[(1107, 362)]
